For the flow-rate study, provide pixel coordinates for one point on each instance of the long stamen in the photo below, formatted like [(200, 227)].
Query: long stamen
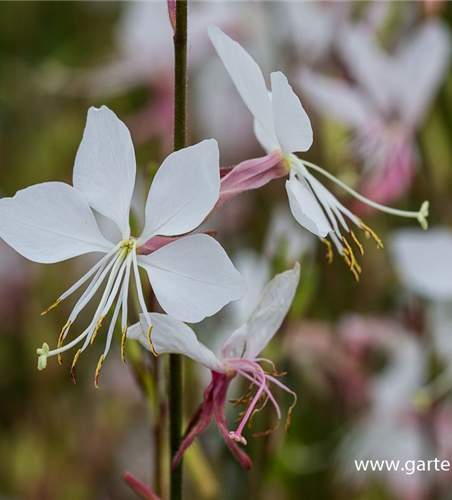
[(421, 215), (285, 388), (81, 281), (124, 310), (119, 265), (91, 290), (237, 435), (141, 299)]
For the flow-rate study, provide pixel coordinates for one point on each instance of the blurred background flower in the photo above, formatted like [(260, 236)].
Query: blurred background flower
[(370, 362)]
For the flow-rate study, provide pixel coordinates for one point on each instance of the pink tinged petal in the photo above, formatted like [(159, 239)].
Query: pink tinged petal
[(266, 319), (184, 191), (370, 66), (50, 222), (423, 262), (169, 335), (423, 61), (305, 208), (193, 277), (251, 174), (335, 98), (157, 242), (292, 124), (247, 77), (105, 167)]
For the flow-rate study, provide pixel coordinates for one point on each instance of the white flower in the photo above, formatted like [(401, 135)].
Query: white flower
[(191, 277), (240, 352), (282, 125), (387, 101)]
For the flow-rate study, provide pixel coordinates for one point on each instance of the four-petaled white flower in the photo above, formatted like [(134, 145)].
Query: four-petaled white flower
[(282, 126), (192, 277), (239, 356)]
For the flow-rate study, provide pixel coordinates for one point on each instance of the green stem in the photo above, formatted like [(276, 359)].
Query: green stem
[(180, 128)]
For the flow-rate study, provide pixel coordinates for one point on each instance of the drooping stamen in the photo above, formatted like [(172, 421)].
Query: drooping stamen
[(357, 242), (237, 435), (151, 345), (55, 304), (140, 294), (74, 362), (124, 309), (82, 280), (123, 344), (285, 388), (61, 340), (329, 251), (114, 320), (92, 289), (371, 234), (350, 259), (97, 328), (109, 294), (98, 368), (420, 216)]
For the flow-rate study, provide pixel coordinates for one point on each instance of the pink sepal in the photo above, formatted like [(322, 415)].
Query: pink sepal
[(251, 174), (160, 241)]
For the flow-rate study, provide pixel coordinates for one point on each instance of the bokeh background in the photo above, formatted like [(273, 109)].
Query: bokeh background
[(370, 361)]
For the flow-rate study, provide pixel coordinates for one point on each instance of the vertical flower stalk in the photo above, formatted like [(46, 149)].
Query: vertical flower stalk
[(180, 127)]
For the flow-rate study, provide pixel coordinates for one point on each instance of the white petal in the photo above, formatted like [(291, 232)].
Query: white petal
[(49, 223), (247, 77), (169, 335), (184, 190), (193, 277), (268, 142), (105, 168), (423, 60), (422, 259), (292, 124), (266, 319), (305, 208), (333, 97), (371, 67)]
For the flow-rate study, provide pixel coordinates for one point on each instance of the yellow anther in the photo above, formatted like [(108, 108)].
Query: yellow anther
[(55, 304), (356, 242), (98, 368), (74, 362), (329, 251), (99, 324), (61, 339), (154, 352), (423, 214), (350, 259), (371, 234), (123, 344)]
